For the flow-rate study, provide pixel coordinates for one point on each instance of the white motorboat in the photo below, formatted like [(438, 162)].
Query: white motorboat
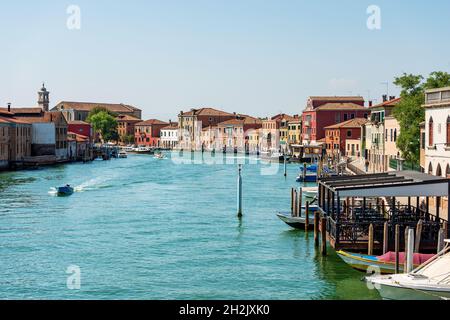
[(430, 281), (123, 154), (310, 192)]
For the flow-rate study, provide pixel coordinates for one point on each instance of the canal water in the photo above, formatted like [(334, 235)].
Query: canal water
[(142, 228)]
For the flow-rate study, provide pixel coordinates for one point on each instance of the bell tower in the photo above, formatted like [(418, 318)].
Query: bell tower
[(44, 98)]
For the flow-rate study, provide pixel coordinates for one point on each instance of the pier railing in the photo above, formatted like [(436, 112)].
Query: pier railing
[(352, 226)]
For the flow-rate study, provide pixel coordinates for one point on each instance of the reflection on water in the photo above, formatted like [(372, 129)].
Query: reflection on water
[(141, 228)]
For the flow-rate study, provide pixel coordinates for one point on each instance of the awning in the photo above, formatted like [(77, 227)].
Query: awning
[(395, 184)]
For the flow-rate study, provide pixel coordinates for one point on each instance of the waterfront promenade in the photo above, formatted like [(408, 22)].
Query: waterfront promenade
[(141, 228)]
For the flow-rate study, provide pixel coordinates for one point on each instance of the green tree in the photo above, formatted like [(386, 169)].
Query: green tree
[(105, 124), (410, 113)]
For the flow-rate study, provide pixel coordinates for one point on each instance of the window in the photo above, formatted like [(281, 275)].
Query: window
[(349, 133), (448, 131), (430, 133), (395, 135), (438, 171), (352, 116), (345, 117)]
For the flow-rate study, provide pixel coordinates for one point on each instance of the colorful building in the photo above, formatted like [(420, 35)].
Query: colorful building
[(321, 112), (336, 135), (191, 124), (80, 110), (169, 136), (148, 133), (80, 128), (126, 128), (377, 136), (233, 133), (15, 140), (437, 140)]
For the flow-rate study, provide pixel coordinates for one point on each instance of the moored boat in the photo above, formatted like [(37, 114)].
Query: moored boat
[(431, 281), (384, 264), (308, 177), (299, 222), (310, 192), (123, 154)]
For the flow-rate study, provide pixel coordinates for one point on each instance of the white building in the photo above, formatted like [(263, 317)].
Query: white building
[(437, 132), (169, 136), (437, 138)]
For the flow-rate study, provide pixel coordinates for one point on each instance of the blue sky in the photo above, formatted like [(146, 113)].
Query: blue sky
[(255, 57)]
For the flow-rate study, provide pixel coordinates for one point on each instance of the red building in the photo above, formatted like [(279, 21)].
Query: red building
[(80, 128), (337, 135), (148, 133), (322, 112), (126, 127)]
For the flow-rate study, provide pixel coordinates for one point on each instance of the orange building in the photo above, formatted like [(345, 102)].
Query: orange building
[(125, 127), (337, 135)]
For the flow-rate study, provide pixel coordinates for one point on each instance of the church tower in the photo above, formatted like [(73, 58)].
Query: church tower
[(44, 98)]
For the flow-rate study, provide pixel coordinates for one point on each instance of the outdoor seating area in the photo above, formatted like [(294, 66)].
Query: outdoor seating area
[(355, 204)]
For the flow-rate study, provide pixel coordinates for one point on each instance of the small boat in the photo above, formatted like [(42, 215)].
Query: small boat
[(160, 156), (142, 150), (296, 222), (308, 177), (67, 190), (431, 281), (123, 154), (310, 168), (385, 264), (310, 192)]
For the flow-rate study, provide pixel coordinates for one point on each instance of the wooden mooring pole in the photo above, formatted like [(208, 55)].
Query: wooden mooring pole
[(307, 216), (316, 228), (397, 248), (405, 266), (295, 203), (410, 255), (300, 202), (386, 237), (418, 236), (323, 232), (292, 202), (370, 245), (441, 238)]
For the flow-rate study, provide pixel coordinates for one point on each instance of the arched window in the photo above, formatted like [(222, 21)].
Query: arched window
[(430, 132), (448, 131), (438, 171), (447, 172), (430, 169)]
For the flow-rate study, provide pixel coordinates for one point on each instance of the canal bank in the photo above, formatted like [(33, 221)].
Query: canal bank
[(142, 228)]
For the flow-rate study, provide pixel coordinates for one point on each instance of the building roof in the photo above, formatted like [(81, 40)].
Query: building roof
[(389, 103), (23, 110), (241, 121), (88, 106), (171, 126), (11, 120), (337, 98), (206, 112), (127, 117), (48, 116), (341, 106), (78, 122), (393, 184), (352, 123), (151, 122)]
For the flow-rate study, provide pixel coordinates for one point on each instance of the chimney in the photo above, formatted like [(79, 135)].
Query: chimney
[(9, 107), (391, 97), (370, 103), (385, 97)]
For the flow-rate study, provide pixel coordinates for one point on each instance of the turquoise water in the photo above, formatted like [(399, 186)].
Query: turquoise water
[(141, 228)]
